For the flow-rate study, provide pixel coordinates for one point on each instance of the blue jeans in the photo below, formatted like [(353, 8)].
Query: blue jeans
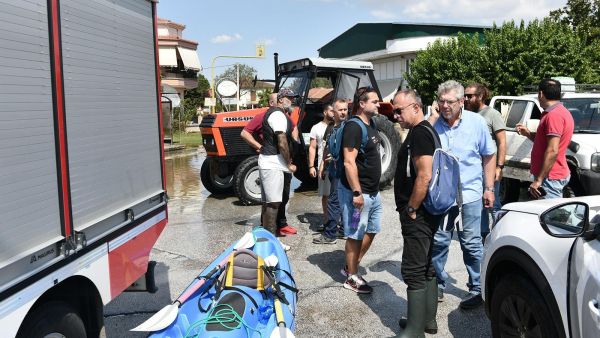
[(487, 215), (334, 212), (370, 216), (554, 188), (469, 236)]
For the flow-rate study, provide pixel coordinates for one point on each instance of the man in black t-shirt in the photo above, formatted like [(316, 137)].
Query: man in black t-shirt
[(359, 188), (413, 174)]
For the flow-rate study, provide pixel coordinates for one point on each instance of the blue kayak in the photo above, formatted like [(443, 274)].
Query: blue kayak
[(239, 294)]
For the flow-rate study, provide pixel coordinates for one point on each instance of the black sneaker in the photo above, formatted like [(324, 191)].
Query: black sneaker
[(471, 301), (358, 285), (440, 295), (321, 228), (322, 239)]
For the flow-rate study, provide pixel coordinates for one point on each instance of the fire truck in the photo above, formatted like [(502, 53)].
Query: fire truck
[(232, 165), (82, 188)]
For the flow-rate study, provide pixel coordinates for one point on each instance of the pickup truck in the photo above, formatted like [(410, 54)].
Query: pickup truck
[(583, 155)]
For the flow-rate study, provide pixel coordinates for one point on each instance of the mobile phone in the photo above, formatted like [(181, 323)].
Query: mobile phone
[(542, 191)]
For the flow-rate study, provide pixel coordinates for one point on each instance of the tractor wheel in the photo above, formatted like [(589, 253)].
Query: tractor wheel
[(247, 181), (214, 183), (390, 144)]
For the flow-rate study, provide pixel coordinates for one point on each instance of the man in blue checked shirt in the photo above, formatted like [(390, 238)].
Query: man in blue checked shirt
[(465, 134)]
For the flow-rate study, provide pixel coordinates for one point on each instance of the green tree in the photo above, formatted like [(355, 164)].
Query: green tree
[(458, 58), (510, 58), (263, 97), (247, 74), (583, 16), (195, 97)]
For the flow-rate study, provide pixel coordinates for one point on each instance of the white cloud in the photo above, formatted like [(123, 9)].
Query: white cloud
[(381, 14), (483, 12), (224, 38)]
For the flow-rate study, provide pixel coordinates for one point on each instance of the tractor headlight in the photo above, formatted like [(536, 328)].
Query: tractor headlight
[(595, 165)]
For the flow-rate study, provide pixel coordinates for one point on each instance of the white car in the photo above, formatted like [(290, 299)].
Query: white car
[(541, 269)]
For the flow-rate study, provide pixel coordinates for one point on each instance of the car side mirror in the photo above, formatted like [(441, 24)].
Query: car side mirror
[(567, 220)]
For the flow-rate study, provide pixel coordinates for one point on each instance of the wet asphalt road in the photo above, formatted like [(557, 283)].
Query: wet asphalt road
[(201, 226)]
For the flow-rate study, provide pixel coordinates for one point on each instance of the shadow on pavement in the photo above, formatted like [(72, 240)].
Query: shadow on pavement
[(313, 219), (330, 262), (392, 267), (468, 323), (384, 302)]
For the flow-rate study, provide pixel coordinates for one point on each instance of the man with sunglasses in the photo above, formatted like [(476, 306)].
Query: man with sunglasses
[(464, 134), (413, 174), (359, 187), (476, 95)]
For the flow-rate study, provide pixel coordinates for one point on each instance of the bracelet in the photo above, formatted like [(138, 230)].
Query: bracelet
[(311, 167), (501, 166), (489, 189)]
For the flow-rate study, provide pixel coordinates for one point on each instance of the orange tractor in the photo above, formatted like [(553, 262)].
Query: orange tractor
[(232, 165)]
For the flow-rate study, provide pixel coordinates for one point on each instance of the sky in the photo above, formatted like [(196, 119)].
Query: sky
[(298, 28)]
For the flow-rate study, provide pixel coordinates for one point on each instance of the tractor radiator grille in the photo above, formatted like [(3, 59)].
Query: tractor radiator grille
[(234, 145)]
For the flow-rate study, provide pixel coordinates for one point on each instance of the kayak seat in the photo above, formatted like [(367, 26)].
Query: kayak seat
[(244, 269)]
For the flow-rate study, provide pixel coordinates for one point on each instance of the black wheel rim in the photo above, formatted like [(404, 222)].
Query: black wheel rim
[(518, 319)]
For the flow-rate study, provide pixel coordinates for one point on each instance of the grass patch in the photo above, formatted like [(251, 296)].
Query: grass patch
[(188, 139)]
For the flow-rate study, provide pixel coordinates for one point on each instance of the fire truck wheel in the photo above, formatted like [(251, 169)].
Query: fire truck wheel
[(53, 319), (214, 183), (390, 144), (247, 181)]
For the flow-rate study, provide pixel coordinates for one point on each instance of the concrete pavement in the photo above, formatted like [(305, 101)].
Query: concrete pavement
[(201, 226)]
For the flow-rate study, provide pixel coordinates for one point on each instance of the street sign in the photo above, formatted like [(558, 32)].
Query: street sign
[(210, 101), (227, 88)]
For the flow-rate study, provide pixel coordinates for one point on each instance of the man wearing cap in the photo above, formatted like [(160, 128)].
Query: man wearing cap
[(252, 134), (275, 159)]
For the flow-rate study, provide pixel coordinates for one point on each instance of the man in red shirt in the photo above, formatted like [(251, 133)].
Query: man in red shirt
[(252, 134), (548, 155)]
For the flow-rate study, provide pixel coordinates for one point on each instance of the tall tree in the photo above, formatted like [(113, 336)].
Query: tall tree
[(511, 57), (247, 74), (457, 58)]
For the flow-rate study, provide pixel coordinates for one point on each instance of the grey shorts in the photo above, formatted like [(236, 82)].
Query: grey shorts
[(324, 185), (271, 185)]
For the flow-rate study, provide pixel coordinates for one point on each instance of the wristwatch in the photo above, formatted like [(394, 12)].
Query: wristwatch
[(410, 209), (356, 193), (489, 189)]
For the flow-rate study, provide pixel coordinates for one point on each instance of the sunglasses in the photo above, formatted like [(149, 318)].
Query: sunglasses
[(469, 96), (398, 111)]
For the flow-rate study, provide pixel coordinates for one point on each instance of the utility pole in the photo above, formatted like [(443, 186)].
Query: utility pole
[(237, 70)]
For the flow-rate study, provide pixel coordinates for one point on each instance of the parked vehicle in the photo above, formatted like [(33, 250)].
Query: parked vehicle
[(82, 189), (233, 165), (540, 269), (583, 155)]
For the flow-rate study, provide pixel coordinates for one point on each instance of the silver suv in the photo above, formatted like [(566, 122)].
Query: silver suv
[(583, 155)]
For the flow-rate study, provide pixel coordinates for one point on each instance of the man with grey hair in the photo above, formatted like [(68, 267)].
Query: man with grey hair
[(464, 134)]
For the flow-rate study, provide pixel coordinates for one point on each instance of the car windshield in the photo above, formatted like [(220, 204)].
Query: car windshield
[(586, 113)]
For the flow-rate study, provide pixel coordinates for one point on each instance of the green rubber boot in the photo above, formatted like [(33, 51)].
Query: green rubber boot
[(431, 301), (415, 322)]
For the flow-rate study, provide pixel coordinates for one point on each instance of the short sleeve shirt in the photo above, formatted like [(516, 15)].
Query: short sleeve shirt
[(317, 132), (556, 121), (494, 121), (421, 143), (468, 140), (278, 122), (367, 163), (254, 127)]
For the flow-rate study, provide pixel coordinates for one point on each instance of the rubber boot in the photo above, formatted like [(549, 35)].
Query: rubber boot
[(415, 322), (431, 302)]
